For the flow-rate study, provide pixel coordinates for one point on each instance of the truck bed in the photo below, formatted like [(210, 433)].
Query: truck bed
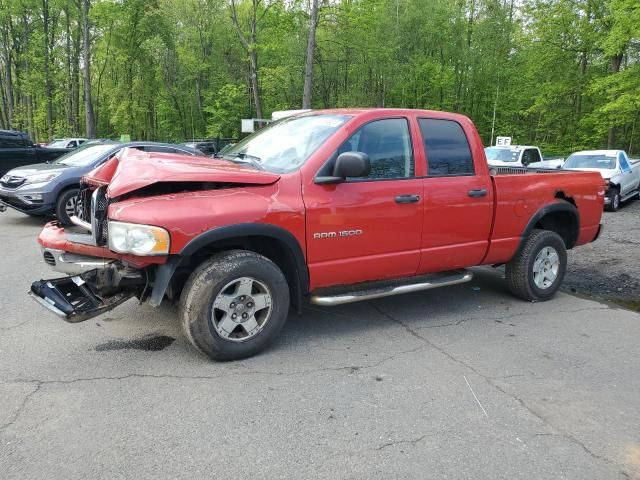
[(522, 192)]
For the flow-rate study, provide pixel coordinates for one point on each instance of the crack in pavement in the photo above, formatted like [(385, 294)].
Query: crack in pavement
[(42, 383), (400, 442), (22, 406), (11, 327), (490, 381), (506, 317)]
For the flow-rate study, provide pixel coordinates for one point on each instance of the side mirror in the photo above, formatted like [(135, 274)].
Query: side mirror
[(348, 164)]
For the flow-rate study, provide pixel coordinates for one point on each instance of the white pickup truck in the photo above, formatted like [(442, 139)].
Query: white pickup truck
[(621, 175), (519, 156)]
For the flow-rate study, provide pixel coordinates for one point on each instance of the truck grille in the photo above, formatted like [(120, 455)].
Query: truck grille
[(93, 204), (84, 204), (99, 204), (520, 170), (11, 181)]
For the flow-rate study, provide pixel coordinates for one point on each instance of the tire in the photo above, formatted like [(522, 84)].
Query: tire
[(218, 289), (531, 280), (614, 204), (65, 203)]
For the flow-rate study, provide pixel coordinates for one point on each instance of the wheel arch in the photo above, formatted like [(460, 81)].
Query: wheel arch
[(561, 217), (271, 241)]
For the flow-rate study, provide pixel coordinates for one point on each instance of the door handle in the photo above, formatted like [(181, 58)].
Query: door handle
[(407, 198), (477, 192)]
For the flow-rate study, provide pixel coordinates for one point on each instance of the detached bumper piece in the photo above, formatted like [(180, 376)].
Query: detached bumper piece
[(71, 298)]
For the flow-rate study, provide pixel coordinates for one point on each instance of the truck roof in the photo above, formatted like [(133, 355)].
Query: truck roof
[(388, 111), (597, 152), (14, 132), (512, 147)]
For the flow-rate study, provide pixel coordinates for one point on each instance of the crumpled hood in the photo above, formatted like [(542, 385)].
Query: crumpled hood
[(136, 170)]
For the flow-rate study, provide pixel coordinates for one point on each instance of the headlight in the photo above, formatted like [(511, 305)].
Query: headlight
[(42, 177), (138, 239)]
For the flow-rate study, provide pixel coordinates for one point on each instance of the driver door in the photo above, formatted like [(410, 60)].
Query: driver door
[(367, 228)]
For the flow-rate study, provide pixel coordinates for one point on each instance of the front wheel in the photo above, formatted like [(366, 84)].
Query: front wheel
[(234, 304), (614, 200), (66, 206), (536, 271)]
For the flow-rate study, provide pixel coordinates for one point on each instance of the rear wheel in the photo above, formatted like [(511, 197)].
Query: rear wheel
[(537, 270), (66, 206), (234, 304)]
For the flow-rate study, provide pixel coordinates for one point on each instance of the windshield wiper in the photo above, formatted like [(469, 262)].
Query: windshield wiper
[(252, 159)]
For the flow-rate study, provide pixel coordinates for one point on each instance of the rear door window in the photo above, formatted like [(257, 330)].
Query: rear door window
[(447, 148), (11, 141)]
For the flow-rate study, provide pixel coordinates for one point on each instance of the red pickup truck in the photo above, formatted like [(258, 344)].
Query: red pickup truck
[(334, 206)]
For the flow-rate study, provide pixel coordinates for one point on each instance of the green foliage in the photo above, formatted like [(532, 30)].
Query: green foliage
[(563, 74)]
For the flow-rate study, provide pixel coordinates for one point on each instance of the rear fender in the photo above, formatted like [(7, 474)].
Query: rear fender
[(568, 232)]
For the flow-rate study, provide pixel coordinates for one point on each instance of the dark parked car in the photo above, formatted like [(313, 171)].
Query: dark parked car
[(210, 147), (17, 149), (52, 188)]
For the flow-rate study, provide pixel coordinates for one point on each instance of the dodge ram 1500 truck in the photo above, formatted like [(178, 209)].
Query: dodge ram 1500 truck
[(334, 206)]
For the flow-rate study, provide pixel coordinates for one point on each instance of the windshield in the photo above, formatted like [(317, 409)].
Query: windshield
[(502, 154), (285, 145), (582, 160), (58, 144), (84, 155)]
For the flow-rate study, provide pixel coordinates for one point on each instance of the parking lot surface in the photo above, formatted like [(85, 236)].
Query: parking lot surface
[(462, 382)]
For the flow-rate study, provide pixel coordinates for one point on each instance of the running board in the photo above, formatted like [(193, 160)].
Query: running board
[(379, 289), (630, 195)]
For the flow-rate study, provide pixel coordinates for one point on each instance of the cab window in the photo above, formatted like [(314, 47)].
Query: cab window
[(530, 155), (387, 143), (447, 148)]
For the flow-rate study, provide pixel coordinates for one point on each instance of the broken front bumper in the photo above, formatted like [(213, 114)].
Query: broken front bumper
[(73, 263), (72, 299)]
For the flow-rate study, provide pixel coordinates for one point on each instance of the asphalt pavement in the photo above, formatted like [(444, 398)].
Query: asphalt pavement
[(462, 382)]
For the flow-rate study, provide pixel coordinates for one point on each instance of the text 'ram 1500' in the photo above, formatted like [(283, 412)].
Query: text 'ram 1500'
[(329, 206)]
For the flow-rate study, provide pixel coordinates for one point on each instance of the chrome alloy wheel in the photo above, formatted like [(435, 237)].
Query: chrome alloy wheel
[(546, 267), (70, 208), (241, 309)]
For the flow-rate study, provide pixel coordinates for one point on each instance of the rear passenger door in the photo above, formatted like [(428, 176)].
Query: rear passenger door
[(458, 208)]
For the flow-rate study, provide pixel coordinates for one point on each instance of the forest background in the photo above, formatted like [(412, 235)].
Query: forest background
[(562, 74)]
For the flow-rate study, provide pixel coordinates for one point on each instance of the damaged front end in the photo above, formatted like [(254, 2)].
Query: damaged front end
[(81, 297)]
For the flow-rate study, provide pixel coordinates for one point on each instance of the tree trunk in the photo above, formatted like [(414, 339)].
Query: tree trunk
[(90, 120), (311, 48), (75, 80), (616, 62), (8, 98), (68, 68), (249, 46), (47, 72)]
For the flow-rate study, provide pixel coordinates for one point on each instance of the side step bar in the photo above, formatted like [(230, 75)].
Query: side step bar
[(371, 290)]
